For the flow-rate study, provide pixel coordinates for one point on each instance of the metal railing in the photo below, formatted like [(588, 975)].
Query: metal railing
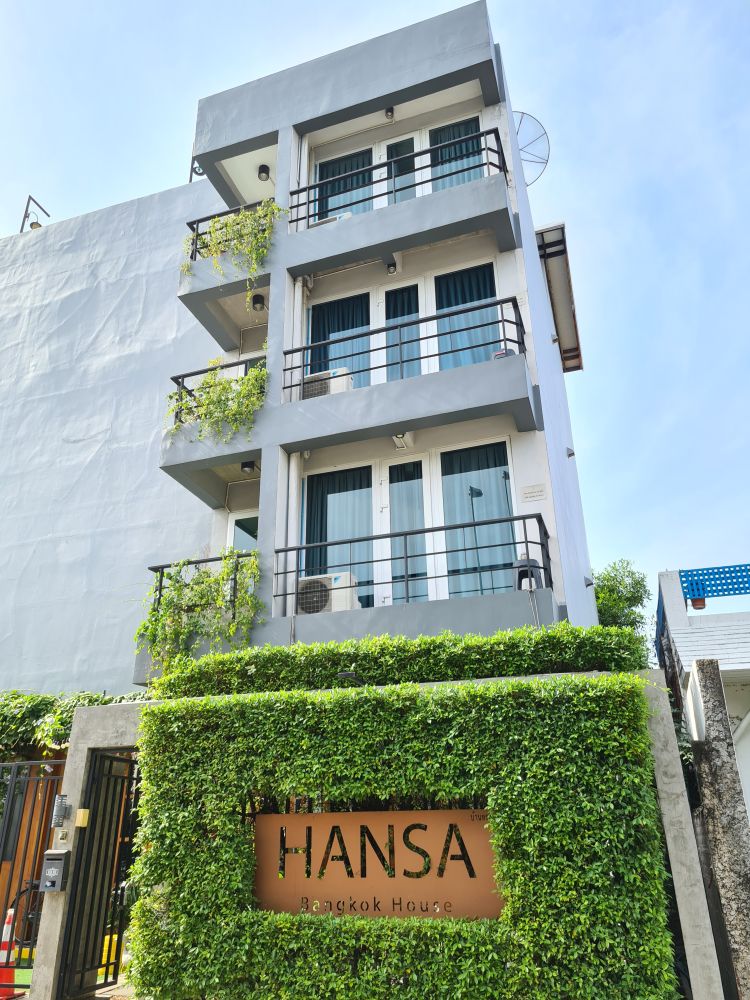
[(402, 567), (183, 389), (408, 347), (161, 569), (199, 228), (362, 187)]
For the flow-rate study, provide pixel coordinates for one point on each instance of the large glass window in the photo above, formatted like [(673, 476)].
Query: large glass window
[(459, 156), (402, 337), (469, 337), (339, 506), (476, 487), (346, 185), (408, 560), (332, 329)]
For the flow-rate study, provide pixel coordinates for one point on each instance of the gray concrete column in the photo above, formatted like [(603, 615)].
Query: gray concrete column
[(725, 816)]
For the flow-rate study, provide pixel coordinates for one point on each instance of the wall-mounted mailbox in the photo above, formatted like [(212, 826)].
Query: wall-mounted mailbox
[(54, 871)]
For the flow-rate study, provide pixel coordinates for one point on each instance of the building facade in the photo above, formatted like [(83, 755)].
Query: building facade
[(412, 468)]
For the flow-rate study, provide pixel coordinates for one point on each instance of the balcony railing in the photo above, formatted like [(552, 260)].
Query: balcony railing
[(453, 561), (183, 389), (199, 229), (445, 164), (162, 570), (405, 348)]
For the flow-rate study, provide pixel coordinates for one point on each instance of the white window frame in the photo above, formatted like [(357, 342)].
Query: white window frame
[(238, 515)]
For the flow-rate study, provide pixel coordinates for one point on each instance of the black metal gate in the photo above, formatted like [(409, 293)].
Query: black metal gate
[(27, 797), (98, 908)]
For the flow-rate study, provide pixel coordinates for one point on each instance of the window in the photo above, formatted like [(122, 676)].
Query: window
[(245, 533), (476, 487), (469, 337), (401, 171), (339, 506), (347, 185), (459, 158), (402, 341), (332, 326)]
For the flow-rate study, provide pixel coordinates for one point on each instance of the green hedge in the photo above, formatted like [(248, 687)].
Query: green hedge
[(563, 764), (30, 723), (394, 659)]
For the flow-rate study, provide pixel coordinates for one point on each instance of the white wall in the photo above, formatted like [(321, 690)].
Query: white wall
[(90, 331)]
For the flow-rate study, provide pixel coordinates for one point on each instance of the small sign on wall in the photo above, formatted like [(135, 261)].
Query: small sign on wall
[(534, 493), (417, 863)]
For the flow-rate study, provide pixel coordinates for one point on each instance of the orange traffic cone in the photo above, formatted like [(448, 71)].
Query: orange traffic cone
[(7, 959)]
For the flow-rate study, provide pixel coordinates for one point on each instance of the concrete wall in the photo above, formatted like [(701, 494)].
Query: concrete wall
[(90, 331)]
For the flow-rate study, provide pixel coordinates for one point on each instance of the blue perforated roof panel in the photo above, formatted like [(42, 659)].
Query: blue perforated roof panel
[(715, 581)]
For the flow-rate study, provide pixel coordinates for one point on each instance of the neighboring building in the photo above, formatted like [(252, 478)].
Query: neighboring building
[(415, 444), (682, 638)]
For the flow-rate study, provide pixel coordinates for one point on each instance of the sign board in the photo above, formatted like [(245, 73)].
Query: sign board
[(425, 863)]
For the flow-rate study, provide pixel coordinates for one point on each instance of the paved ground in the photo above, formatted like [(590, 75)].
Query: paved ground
[(116, 993)]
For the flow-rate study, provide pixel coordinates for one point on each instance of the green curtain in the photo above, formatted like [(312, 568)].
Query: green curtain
[(338, 506), (338, 194), (471, 337), (461, 159), (341, 318), (402, 341), (476, 487)]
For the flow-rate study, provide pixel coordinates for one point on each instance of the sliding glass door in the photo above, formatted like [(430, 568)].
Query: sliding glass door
[(333, 340), (476, 487), (407, 568), (402, 336), (473, 336), (459, 156), (338, 506)]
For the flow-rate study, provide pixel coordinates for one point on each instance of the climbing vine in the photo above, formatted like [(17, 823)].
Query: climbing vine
[(199, 607), (244, 238), (220, 404)]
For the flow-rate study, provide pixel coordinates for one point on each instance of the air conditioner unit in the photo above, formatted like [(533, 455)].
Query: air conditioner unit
[(329, 592), (326, 383)]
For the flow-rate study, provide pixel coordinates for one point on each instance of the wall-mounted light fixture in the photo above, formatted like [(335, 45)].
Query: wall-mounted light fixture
[(392, 267), (403, 441), (248, 467), (390, 114), (264, 172), (259, 302), (28, 212), (351, 675), (570, 453)]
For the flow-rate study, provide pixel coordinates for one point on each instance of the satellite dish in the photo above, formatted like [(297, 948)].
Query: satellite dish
[(533, 144)]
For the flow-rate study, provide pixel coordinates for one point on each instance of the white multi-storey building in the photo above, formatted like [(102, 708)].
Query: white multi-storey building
[(412, 468)]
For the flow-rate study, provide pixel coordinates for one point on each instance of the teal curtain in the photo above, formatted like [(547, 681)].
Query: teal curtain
[(476, 487), (341, 318), (338, 194), (339, 506), (406, 504), (402, 341), (401, 175), (470, 337), (461, 159)]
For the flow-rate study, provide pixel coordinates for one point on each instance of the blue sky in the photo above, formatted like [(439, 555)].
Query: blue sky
[(646, 104)]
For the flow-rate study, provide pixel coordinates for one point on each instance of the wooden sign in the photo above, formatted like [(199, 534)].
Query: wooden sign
[(426, 863)]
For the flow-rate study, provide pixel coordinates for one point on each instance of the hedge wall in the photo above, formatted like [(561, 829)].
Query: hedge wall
[(30, 723), (391, 660), (564, 766)]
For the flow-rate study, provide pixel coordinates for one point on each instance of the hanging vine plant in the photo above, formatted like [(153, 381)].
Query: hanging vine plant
[(244, 238), (201, 606), (222, 406)]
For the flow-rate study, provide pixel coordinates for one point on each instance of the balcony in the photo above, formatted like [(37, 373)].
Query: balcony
[(398, 179), (441, 192), (451, 339)]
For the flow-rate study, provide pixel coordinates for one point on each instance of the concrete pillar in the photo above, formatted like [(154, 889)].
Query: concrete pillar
[(726, 818)]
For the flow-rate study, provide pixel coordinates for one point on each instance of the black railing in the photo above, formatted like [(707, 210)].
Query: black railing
[(463, 159), (183, 389), (402, 349), (455, 560), (199, 229), (162, 569)]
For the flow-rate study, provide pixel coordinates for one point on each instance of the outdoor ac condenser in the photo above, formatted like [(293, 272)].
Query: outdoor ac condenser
[(326, 383), (328, 592)]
